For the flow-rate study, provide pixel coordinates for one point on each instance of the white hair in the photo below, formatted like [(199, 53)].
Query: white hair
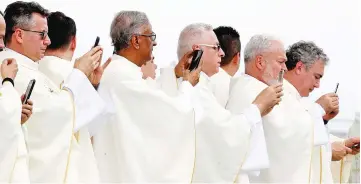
[(190, 35), (124, 25), (258, 44)]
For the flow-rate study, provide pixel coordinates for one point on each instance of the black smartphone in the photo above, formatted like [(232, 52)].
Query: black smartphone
[(356, 146), (336, 88), (96, 42), (280, 76), (196, 59), (29, 90)]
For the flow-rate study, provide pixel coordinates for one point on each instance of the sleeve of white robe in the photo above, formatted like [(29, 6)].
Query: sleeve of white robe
[(223, 139), (321, 135), (88, 104), (10, 117)]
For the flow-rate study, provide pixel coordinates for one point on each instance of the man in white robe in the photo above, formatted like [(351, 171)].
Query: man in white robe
[(223, 138), (57, 66), (289, 145), (305, 63), (52, 133), (229, 41), (151, 137)]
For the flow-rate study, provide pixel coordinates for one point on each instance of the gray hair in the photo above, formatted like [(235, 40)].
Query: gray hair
[(258, 44), (306, 52), (190, 35), (124, 26)]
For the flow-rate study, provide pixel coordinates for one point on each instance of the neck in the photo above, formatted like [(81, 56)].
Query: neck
[(291, 78), (229, 69), (251, 71), (132, 56), (17, 48), (66, 55)]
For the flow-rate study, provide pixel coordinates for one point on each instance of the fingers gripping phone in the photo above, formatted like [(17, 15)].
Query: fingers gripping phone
[(29, 90), (96, 42), (197, 55)]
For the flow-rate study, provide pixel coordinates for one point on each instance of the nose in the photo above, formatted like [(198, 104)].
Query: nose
[(221, 53), (47, 40), (284, 67), (317, 84), (2, 44), (154, 43)]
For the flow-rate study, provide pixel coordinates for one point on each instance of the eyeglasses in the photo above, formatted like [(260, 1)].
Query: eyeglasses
[(43, 34), (216, 47), (152, 36)]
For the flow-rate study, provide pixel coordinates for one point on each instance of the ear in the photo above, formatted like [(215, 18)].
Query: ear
[(196, 47), (19, 36), (260, 63), (299, 67), (73, 43), (135, 42), (236, 59)]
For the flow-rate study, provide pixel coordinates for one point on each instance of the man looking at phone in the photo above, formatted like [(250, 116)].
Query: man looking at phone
[(264, 58), (305, 65), (222, 137), (53, 136), (151, 137)]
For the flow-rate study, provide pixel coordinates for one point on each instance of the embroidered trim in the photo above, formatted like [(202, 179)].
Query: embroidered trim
[(71, 141), (195, 145)]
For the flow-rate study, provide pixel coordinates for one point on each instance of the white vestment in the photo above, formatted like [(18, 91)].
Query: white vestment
[(13, 153), (58, 70), (220, 86), (55, 68), (52, 136), (288, 130), (223, 138), (151, 137), (322, 154)]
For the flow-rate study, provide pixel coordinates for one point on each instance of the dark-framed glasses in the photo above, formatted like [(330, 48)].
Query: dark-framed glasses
[(43, 34)]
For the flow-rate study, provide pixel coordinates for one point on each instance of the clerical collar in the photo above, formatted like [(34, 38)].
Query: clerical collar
[(22, 60), (291, 89)]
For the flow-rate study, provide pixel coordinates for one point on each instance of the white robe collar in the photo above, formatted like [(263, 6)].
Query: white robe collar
[(291, 89), (130, 65), (22, 60)]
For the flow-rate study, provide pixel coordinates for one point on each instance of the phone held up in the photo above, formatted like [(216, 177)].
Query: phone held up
[(29, 90), (196, 59)]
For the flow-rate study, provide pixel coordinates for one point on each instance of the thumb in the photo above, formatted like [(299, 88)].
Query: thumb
[(22, 97), (6, 62), (348, 150)]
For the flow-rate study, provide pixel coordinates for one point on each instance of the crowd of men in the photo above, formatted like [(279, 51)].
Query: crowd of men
[(117, 123)]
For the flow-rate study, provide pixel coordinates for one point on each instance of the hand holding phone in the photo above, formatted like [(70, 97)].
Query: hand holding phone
[(29, 90)]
